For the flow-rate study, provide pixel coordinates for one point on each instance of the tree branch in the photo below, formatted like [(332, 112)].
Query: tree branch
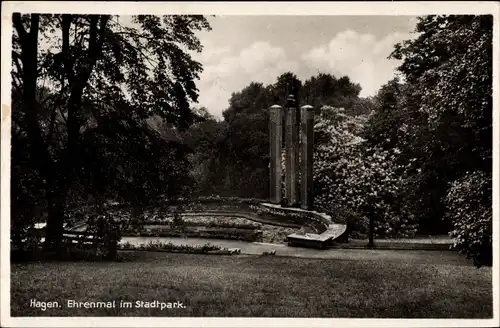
[(67, 61), (17, 81), (23, 34), (17, 61), (29, 58), (75, 117)]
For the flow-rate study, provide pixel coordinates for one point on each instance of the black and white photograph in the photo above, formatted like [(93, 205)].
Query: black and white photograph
[(225, 164)]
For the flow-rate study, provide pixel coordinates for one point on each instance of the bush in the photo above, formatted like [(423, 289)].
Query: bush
[(354, 180), (107, 234), (178, 222), (469, 206), (30, 240), (195, 232), (276, 235), (356, 227), (170, 247)]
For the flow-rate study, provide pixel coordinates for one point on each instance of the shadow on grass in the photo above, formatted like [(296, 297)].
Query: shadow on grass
[(256, 286), (73, 255)]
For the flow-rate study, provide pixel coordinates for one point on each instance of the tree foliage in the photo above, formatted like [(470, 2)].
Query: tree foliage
[(356, 182), (449, 68), (448, 105), (469, 201), (105, 108), (240, 163), (327, 90), (84, 85)]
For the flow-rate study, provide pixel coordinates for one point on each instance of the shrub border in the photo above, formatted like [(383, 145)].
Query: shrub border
[(158, 246)]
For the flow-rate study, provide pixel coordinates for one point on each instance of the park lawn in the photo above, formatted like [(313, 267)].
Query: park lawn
[(258, 286)]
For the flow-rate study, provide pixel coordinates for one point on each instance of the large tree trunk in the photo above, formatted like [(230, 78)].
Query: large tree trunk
[(55, 192), (371, 230), (58, 186), (29, 59), (29, 72), (56, 212), (64, 168)]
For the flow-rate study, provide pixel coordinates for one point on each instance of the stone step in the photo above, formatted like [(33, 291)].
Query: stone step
[(332, 233)]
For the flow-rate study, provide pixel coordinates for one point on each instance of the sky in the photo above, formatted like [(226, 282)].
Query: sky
[(242, 49), (239, 50)]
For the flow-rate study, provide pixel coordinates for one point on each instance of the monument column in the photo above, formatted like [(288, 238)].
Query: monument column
[(275, 141), (307, 137), (292, 152)]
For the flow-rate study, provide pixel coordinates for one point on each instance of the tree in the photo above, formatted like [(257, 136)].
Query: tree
[(363, 106), (207, 141), (286, 84), (357, 182), (326, 90), (246, 155), (384, 127), (448, 68), (247, 124), (246, 149), (101, 74), (449, 51)]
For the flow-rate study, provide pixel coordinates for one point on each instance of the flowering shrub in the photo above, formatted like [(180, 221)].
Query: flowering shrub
[(28, 238), (198, 232), (205, 221), (215, 199), (469, 206), (107, 233), (170, 247), (354, 181), (276, 234)]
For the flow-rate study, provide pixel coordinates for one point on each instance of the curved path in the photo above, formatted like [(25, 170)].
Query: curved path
[(353, 247), (255, 248)]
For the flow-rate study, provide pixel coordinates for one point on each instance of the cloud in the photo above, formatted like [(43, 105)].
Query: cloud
[(362, 57), (211, 52), (225, 73), (412, 23)]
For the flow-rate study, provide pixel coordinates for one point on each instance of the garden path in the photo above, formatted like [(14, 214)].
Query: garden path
[(256, 248)]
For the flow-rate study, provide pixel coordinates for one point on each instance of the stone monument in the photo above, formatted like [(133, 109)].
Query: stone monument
[(307, 146), (298, 150), (275, 133), (291, 152)]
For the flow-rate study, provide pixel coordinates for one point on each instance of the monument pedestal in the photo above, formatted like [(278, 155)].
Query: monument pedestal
[(306, 145), (275, 132), (295, 149), (291, 153)]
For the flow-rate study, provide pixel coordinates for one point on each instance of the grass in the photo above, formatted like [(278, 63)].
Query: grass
[(257, 286)]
